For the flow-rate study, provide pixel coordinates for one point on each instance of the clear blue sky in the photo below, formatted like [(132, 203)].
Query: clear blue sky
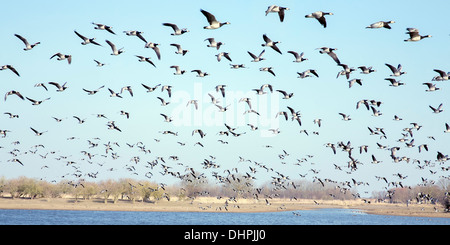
[(53, 23)]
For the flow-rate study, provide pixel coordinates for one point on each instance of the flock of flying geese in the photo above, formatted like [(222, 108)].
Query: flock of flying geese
[(279, 180)]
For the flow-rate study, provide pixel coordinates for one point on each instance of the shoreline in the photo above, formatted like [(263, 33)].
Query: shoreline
[(209, 204)]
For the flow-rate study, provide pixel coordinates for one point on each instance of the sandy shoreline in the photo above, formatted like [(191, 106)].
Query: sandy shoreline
[(205, 204)]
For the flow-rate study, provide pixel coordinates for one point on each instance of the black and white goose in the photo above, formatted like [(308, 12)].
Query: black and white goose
[(178, 71), (329, 51), (298, 57), (285, 94), (257, 58), (213, 43), (91, 92), (114, 94), (396, 71), (437, 110), (213, 23), (442, 75), (37, 133), (394, 82), (28, 46), (366, 70), (319, 16), (200, 73), (176, 31), (11, 68), (63, 57), (223, 54), (414, 35), (150, 89), (268, 69), (145, 59), (270, 43), (103, 27), (307, 73), (179, 49), (277, 9), (136, 33), (14, 92), (381, 24), (115, 51), (431, 87), (87, 40), (59, 87), (155, 48), (347, 71)]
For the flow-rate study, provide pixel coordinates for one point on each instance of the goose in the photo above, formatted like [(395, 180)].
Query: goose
[(307, 73), (380, 24), (59, 87), (286, 95), (194, 102), (168, 88), (442, 75), (431, 87), (246, 100), (318, 121), (103, 27), (178, 71), (437, 110), (447, 128), (237, 66), (329, 51), (298, 57), (91, 92), (87, 40), (125, 113), (63, 57), (319, 16), (275, 130), (353, 81), (127, 88), (282, 113), (423, 146), (396, 71), (375, 112), (36, 102), (145, 59), (347, 71), (41, 85), (15, 93), (270, 43), (179, 49), (11, 115), (114, 94), (374, 160), (223, 54), (16, 160), (115, 51), (221, 88), (222, 108), (28, 46), (213, 43), (268, 69), (361, 102), (37, 133), (112, 125), (277, 9), (155, 48), (345, 117), (166, 118), (257, 58), (150, 89), (213, 23), (366, 70), (396, 118), (80, 121), (11, 68), (99, 64), (213, 99), (136, 33), (163, 102), (176, 31), (394, 82), (199, 131), (200, 73), (414, 35)]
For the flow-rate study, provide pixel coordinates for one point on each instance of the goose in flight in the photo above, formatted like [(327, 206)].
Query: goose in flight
[(28, 46), (396, 71), (286, 95), (307, 73), (178, 71), (194, 102), (87, 40), (447, 128), (155, 48), (179, 49), (200, 73), (145, 59), (15, 93), (366, 70), (442, 75), (200, 132), (221, 88), (80, 121), (99, 64), (176, 31), (319, 16), (381, 24), (347, 71), (277, 9), (329, 51), (270, 43), (166, 118), (163, 102), (213, 23), (437, 110), (268, 69), (63, 57), (127, 88), (37, 132), (298, 57), (36, 102), (59, 87), (150, 89), (114, 94), (414, 35), (431, 87), (91, 92), (223, 54), (353, 81), (115, 51), (213, 43), (168, 88), (136, 33), (11, 68), (394, 82), (345, 117), (41, 85), (103, 27), (257, 58)]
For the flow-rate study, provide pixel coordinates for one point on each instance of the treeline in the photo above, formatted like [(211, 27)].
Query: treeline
[(143, 190)]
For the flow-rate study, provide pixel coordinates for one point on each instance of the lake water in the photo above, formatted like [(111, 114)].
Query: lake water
[(304, 217)]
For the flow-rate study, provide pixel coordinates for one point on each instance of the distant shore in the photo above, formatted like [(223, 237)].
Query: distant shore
[(209, 204)]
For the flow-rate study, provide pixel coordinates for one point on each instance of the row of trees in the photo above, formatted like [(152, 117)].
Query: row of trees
[(134, 190)]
